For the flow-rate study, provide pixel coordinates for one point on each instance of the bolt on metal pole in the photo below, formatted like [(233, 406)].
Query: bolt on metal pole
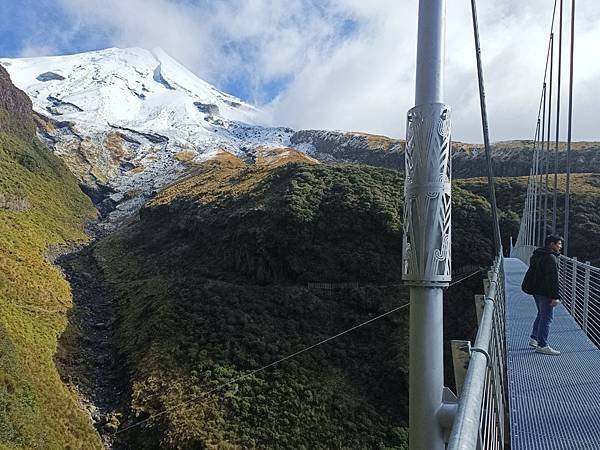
[(426, 243)]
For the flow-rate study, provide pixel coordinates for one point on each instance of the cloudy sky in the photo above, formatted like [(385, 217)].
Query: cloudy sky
[(334, 64)]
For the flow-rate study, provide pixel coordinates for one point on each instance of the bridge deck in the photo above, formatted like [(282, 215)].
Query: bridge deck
[(554, 400)]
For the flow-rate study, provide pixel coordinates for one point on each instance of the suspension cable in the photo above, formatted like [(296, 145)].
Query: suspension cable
[(486, 136), (570, 121), (558, 85), (542, 218), (543, 162)]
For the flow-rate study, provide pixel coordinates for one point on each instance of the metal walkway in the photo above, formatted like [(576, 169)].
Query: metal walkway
[(554, 400)]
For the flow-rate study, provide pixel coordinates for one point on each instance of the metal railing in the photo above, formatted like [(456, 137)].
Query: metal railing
[(481, 419), (579, 288)]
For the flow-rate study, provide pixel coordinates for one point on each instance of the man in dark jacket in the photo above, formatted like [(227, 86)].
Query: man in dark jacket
[(541, 280)]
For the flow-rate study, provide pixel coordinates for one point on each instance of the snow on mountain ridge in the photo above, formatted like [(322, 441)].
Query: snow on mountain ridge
[(121, 80), (133, 120)]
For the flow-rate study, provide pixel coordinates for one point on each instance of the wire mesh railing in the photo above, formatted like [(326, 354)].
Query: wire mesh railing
[(481, 420), (579, 289)]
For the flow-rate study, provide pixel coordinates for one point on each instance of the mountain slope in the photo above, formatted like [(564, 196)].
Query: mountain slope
[(129, 121), (40, 206), (213, 282)]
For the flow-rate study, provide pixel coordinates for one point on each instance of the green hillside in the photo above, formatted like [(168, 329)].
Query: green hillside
[(212, 283), (41, 205), (584, 218)]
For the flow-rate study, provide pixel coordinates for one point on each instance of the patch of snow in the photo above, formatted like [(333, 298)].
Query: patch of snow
[(305, 147)]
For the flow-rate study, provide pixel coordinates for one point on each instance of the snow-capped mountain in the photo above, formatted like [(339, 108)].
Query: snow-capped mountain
[(133, 120)]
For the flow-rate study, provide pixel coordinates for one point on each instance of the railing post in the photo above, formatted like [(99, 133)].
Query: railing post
[(586, 295), (574, 288), (479, 305), (561, 278), (461, 355), (426, 265)]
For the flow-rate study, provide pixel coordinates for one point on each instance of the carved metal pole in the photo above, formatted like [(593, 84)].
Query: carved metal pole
[(426, 246)]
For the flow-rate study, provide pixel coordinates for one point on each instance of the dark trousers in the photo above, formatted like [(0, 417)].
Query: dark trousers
[(541, 326)]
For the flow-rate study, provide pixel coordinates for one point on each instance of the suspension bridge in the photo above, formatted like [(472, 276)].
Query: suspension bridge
[(507, 395)]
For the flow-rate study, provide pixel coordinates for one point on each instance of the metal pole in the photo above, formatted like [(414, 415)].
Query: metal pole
[(426, 243), (570, 121), (536, 157), (486, 134), (430, 52)]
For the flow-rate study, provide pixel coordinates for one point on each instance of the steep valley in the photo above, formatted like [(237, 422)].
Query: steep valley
[(213, 282)]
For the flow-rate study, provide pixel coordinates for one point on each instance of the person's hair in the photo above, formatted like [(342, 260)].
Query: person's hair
[(553, 238)]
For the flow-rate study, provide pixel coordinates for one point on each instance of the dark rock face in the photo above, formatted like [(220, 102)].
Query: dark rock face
[(60, 107), (159, 78), (207, 108), (15, 108), (511, 158), (49, 76)]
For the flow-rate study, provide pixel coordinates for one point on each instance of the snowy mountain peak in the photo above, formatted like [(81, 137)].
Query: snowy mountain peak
[(131, 120), (122, 86)]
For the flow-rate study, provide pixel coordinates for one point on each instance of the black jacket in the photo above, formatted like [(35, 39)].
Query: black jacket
[(542, 276)]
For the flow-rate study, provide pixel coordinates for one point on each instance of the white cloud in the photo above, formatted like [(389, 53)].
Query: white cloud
[(350, 64), (32, 50)]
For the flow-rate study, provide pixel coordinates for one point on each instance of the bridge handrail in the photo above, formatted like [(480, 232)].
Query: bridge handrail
[(579, 290), (480, 419)]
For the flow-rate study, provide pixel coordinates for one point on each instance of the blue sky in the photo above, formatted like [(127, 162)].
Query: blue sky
[(38, 23), (330, 64), (52, 27)]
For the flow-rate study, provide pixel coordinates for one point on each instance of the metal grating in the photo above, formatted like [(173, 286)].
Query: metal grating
[(554, 400)]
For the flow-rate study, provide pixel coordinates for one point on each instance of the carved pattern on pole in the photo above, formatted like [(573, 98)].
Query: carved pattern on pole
[(426, 245)]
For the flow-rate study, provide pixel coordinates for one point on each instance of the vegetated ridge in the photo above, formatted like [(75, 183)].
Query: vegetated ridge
[(213, 282), (41, 207), (511, 158)]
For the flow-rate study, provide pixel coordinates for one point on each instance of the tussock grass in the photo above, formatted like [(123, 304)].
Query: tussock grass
[(36, 409)]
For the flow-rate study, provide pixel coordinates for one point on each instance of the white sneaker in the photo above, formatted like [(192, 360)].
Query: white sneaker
[(532, 343), (547, 350)]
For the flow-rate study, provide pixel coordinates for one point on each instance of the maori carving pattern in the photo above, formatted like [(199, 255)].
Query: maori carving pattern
[(427, 208)]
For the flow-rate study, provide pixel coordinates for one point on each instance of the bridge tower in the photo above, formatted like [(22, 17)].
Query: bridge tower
[(427, 237)]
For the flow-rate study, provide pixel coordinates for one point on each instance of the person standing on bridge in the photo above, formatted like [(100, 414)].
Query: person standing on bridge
[(541, 281)]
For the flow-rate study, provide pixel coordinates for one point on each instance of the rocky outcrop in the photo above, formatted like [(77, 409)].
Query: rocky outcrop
[(49, 76), (340, 147), (15, 108), (207, 108), (14, 203)]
